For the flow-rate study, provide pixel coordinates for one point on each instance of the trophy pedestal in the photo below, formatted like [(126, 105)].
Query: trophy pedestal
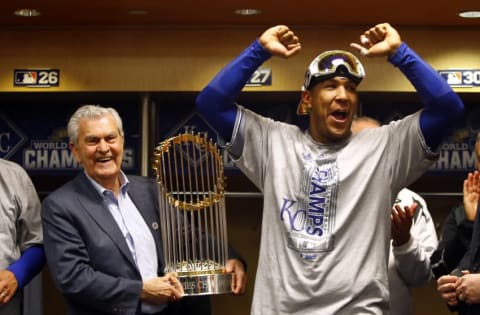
[(206, 283)]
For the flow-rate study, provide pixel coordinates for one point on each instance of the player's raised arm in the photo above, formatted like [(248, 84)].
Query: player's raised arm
[(217, 100), (443, 108)]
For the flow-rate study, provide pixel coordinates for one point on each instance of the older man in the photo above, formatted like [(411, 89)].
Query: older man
[(101, 229)]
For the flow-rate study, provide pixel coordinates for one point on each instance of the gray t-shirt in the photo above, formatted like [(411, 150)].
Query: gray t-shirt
[(326, 213), (20, 225)]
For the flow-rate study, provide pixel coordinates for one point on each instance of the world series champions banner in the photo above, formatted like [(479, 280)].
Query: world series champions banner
[(35, 136), (33, 131)]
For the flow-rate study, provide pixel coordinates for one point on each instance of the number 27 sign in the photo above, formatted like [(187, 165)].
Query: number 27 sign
[(36, 77), (261, 76)]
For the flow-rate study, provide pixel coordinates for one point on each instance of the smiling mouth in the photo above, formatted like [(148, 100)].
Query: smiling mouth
[(103, 159), (339, 115)]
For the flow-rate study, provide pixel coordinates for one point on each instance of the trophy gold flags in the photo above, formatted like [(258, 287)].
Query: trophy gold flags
[(191, 183)]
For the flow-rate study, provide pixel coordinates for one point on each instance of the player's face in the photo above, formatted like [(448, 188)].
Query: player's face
[(333, 104), (100, 149)]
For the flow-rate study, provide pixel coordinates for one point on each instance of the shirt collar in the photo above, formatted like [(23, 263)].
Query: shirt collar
[(124, 184)]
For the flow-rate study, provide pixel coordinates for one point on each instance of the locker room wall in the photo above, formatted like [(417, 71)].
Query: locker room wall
[(186, 59)]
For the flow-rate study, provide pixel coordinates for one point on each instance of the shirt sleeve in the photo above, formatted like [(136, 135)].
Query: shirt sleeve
[(28, 265), (443, 108), (29, 230)]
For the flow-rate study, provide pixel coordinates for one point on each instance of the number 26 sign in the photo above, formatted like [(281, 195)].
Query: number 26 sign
[(36, 77)]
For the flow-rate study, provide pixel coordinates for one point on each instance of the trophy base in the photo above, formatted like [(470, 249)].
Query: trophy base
[(206, 284)]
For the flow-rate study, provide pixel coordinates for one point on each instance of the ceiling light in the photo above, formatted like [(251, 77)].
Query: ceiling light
[(26, 12), (248, 11), (470, 14)]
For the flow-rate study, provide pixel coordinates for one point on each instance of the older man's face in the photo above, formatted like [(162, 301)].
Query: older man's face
[(100, 149)]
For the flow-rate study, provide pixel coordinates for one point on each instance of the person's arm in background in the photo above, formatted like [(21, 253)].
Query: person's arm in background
[(28, 265), (29, 237), (450, 258), (21, 272), (454, 244), (457, 230), (454, 241), (443, 108), (238, 266), (412, 257), (216, 102)]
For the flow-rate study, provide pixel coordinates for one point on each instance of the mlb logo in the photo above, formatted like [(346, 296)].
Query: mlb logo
[(452, 77), (25, 77)]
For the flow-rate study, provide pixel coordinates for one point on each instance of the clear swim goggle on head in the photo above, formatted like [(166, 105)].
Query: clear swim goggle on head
[(333, 63)]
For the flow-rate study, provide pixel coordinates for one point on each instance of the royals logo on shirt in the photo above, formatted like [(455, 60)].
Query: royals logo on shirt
[(310, 219)]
